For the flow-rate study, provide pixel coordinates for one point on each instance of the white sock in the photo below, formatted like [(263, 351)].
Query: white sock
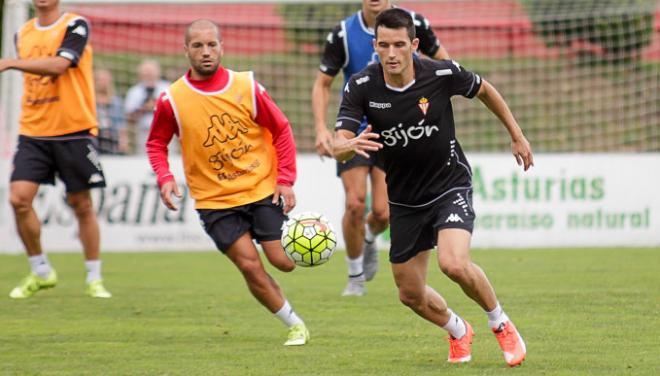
[(287, 315), (368, 235), (40, 265), (455, 326), (93, 270), (496, 317), (354, 267)]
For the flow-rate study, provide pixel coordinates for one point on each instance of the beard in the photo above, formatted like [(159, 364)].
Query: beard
[(206, 71)]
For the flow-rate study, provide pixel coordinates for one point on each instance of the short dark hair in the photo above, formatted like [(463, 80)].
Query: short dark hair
[(395, 18)]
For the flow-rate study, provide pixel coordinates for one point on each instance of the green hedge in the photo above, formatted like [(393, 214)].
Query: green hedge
[(310, 23), (621, 28)]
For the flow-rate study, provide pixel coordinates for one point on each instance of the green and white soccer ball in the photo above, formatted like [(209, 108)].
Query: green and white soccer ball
[(309, 239)]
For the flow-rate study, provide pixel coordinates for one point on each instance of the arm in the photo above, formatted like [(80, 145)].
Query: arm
[(163, 128), (441, 54), (351, 113), (429, 44), (48, 66), (520, 147), (272, 118), (332, 61), (320, 99), (68, 54)]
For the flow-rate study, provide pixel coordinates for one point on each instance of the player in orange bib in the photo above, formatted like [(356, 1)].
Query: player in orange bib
[(239, 159), (57, 136)]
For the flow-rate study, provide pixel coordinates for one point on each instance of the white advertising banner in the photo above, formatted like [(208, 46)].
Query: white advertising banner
[(566, 200)]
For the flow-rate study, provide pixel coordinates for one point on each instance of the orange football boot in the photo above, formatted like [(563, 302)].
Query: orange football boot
[(460, 349), (511, 343)]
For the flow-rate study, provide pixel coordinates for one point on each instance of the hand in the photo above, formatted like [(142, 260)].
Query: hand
[(287, 194), (324, 143), (166, 191), (4, 65), (362, 144), (522, 151), (149, 106)]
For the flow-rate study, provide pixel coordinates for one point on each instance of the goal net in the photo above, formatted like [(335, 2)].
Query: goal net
[(580, 76)]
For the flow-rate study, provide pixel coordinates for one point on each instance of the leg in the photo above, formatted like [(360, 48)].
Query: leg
[(244, 255), (379, 216), (21, 196), (276, 256), (263, 287), (88, 231), (410, 278), (88, 226), (454, 260), (43, 276), (377, 221), (355, 187)]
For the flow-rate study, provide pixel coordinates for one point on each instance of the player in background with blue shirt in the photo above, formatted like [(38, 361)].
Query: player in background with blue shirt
[(349, 48)]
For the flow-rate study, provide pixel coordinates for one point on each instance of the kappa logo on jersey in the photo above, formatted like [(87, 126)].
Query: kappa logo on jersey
[(423, 105), (362, 80), (454, 218), (380, 106), (80, 30), (95, 178), (223, 128)]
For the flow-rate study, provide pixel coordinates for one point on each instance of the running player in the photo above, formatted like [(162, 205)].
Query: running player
[(407, 102), (239, 159), (57, 136), (349, 48)]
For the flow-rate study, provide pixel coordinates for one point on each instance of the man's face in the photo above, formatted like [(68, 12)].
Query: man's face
[(46, 4), (375, 6), (204, 51), (149, 74), (395, 49), (102, 80)]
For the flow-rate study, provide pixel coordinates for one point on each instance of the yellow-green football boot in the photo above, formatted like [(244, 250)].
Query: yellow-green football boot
[(95, 289), (33, 283), (298, 335)]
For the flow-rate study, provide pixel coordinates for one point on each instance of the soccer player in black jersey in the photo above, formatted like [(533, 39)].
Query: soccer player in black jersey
[(407, 103), (349, 49)]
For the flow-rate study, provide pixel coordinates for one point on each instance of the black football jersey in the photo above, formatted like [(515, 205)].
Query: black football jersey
[(421, 156)]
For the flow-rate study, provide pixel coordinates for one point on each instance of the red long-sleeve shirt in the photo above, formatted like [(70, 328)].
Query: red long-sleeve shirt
[(164, 126)]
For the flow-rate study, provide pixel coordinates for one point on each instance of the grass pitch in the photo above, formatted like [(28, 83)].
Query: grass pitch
[(581, 312)]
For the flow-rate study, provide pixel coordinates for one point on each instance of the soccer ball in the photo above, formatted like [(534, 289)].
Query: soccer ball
[(309, 239)]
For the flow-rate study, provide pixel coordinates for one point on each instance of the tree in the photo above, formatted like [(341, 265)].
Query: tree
[(309, 24), (606, 30)]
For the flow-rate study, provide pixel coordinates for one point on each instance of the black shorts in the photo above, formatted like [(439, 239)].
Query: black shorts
[(415, 229), (73, 158), (357, 161), (263, 219)]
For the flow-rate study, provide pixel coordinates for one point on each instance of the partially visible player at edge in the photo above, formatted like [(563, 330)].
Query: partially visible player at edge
[(349, 48), (429, 181), (239, 159), (57, 136)]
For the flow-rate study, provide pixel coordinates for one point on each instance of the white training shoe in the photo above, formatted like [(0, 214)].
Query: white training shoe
[(355, 287)]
